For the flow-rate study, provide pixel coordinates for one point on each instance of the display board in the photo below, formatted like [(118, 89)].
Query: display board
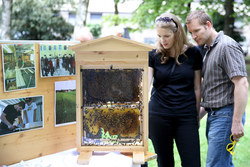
[(45, 139)]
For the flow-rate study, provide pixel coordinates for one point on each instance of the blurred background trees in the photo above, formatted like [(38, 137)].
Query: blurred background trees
[(39, 20), (6, 19), (81, 16), (42, 19), (224, 13)]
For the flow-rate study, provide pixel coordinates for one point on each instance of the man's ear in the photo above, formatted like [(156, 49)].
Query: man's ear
[(209, 24)]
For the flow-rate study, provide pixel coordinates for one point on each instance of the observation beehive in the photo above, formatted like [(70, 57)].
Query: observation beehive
[(112, 97)]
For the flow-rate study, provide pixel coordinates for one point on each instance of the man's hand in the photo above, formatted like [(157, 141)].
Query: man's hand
[(23, 125), (11, 127), (237, 130)]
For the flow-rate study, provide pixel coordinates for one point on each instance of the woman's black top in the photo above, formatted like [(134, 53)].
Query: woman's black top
[(176, 96)]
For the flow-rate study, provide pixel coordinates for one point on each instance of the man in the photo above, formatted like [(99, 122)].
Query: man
[(10, 113), (30, 111), (224, 87), (46, 65), (20, 62)]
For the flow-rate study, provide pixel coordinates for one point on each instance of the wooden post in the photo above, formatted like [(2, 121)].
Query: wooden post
[(84, 157), (138, 157)]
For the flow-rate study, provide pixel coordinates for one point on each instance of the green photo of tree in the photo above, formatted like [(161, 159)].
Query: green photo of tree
[(65, 102)]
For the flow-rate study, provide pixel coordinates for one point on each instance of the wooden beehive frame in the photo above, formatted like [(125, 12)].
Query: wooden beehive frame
[(120, 53), (86, 151)]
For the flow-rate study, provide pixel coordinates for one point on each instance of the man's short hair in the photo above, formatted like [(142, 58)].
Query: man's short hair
[(22, 104), (27, 100), (201, 15)]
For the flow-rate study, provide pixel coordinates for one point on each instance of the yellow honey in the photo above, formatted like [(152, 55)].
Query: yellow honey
[(123, 121)]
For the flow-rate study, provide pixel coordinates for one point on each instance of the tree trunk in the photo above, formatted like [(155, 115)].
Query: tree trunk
[(229, 18), (188, 10), (86, 12), (81, 15), (116, 11), (6, 20)]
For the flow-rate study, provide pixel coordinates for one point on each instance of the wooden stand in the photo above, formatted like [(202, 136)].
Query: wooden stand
[(84, 157), (138, 157)]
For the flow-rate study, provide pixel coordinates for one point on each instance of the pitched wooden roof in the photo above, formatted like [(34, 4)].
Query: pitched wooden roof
[(111, 43)]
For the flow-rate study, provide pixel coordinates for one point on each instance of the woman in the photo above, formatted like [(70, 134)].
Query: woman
[(174, 106)]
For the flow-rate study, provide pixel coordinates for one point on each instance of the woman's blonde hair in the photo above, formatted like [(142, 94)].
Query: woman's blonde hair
[(170, 21)]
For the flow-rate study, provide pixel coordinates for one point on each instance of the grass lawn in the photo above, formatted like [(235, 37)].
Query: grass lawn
[(65, 107), (242, 151)]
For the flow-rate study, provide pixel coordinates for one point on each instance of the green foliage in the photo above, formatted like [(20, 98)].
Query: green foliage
[(146, 13), (218, 23), (1, 8), (114, 20), (108, 136), (38, 22), (95, 29), (58, 3), (241, 8), (247, 2)]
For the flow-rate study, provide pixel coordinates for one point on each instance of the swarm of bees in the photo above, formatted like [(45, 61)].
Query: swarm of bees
[(104, 85), (117, 121)]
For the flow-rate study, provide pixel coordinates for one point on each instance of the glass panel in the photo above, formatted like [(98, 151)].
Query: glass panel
[(112, 106)]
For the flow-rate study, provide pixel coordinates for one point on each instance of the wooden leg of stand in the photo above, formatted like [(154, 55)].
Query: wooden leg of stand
[(138, 157), (84, 157)]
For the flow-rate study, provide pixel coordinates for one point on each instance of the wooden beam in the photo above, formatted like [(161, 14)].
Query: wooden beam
[(84, 157), (138, 157)]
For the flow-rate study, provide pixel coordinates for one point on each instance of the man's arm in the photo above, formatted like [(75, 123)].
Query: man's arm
[(21, 121), (41, 115), (34, 115), (202, 112), (5, 121), (240, 102), (26, 116)]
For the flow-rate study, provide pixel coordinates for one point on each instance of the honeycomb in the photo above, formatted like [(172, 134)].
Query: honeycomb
[(119, 121)]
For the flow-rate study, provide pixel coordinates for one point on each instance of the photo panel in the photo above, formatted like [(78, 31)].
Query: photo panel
[(65, 107), (22, 114), (18, 66), (56, 60)]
